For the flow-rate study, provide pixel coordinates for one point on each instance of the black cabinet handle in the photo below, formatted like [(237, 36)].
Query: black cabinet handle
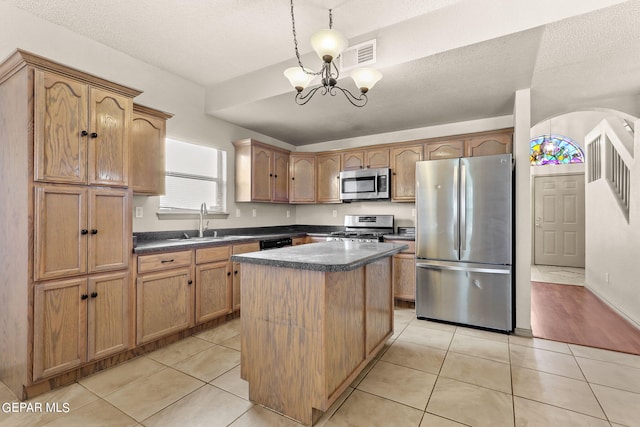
[(235, 272), (228, 273), (293, 178), (166, 260), (84, 133), (94, 135), (275, 176), (83, 231), (94, 294), (94, 231), (189, 282), (338, 177), (270, 174), (84, 296)]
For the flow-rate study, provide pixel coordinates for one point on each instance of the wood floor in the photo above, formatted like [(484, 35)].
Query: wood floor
[(573, 314)]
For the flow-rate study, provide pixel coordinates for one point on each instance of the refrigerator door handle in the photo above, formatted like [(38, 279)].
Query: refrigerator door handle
[(463, 208), (456, 222), (487, 269)]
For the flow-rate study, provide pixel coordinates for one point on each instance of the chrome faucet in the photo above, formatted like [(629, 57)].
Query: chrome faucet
[(203, 211)]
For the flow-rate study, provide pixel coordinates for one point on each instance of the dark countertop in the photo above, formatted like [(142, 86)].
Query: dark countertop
[(178, 244), (323, 256)]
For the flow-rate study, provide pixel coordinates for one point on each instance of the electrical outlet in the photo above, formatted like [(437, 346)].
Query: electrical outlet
[(606, 277), (413, 212), (335, 213), (139, 211), (253, 212), (237, 213), (288, 213)]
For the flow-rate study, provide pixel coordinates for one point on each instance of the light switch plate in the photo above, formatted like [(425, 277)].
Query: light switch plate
[(139, 211)]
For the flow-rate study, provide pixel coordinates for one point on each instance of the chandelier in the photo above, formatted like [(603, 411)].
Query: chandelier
[(328, 44)]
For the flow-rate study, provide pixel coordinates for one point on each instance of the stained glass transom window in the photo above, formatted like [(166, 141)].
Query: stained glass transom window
[(555, 150)]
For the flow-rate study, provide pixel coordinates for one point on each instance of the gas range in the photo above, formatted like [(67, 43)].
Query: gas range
[(364, 228)]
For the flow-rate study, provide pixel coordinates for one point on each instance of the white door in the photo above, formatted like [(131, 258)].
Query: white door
[(559, 220)]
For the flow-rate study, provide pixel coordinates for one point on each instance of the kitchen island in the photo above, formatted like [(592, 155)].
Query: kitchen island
[(313, 317)]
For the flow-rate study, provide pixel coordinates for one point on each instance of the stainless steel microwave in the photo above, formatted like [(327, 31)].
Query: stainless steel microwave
[(365, 184)]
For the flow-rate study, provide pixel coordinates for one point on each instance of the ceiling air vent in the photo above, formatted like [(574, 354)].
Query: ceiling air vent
[(358, 56)]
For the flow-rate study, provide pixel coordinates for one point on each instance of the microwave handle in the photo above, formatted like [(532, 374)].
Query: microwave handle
[(375, 183)]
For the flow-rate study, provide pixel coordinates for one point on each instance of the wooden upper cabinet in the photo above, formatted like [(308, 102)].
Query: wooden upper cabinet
[(262, 172), (81, 132), (80, 230), (489, 144), (61, 128), (110, 118), (376, 158), (403, 170), (328, 186), (280, 179), (147, 153), (452, 149), (302, 181), (353, 160)]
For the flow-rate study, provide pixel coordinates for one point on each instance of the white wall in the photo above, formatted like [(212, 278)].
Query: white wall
[(612, 243), (162, 90)]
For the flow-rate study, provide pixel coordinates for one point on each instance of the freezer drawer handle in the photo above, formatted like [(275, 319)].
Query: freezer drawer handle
[(462, 268)]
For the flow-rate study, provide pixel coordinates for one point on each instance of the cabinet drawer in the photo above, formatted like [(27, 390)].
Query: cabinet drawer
[(164, 261), (246, 247), (411, 243), (220, 253)]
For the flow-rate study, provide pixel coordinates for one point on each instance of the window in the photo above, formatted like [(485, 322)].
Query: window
[(194, 174), (554, 150)]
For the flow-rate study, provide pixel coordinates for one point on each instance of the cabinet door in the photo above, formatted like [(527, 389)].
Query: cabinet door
[(280, 177), (261, 182), (329, 178), (404, 277), (487, 145), (164, 304), (60, 119), (377, 158), (444, 150), (236, 286), (59, 326), (108, 318), (147, 154), (352, 160), (379, 303), (302, 187), (214, 291), (60, 231), (403, 167), (108, 152), (109, 246)]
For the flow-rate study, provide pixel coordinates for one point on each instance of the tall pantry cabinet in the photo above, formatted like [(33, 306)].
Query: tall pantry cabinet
[(66, 210)]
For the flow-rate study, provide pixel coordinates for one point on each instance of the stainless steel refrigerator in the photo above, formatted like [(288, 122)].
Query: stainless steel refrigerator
[(464, 244)]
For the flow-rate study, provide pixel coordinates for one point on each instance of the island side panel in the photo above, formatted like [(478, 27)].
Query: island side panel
[(282, 331), (344, 330), (379, 294)]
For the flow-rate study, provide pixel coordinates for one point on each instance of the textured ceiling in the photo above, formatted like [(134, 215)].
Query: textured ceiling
[(443, 61)]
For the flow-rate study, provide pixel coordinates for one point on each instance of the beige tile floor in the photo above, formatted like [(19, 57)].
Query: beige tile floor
[(429, 374)]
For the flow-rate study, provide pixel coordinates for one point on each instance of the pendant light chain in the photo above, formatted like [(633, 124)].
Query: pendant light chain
[(295, 41)]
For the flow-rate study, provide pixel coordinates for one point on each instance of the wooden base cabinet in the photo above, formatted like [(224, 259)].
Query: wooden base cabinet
[(164, 304), (237, 250), (214, 283), (79, 320), (404, 272)]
